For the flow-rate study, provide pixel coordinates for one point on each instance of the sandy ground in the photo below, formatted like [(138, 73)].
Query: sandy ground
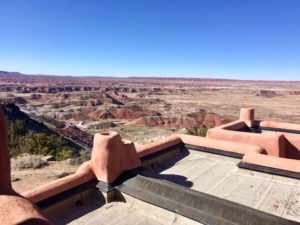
[(226, 103), (31, 178)]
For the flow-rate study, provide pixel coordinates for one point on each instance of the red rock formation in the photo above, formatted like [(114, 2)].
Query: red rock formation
[(106, 115), (198, 118), (91, 103), (132, 112), (99, 114)]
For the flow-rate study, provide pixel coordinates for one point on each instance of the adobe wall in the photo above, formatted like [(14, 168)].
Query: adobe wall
[(111, 156), (83, 174), (272, 161), (276, 144), (14, 209), (272, 143), (273, 124)]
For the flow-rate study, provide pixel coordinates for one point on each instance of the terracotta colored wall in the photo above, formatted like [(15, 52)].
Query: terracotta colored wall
[(82, 175), (292, 146), (111, 156), (234, 125), (228, 146), (272, 143), (272, 161), (273, 124), (143, 150), (5, 182)]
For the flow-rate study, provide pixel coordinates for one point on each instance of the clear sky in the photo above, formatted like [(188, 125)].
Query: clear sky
[(245, 39)]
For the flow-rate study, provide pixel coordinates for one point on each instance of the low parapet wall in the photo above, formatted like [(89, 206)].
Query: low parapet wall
[(244, 144), (279, 125), (227, 146), (272, 161), (83, 174), (272, 143), (282, 148), (86, 172), (144, 150)]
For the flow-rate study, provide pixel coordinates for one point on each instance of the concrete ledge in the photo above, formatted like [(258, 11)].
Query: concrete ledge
[(62, 196), (143, 150), (255, 158), (279, 125), (198, 206), (238, 149), (272, 143), (215, 151), (270, 170), (284, 130), (84, 174)]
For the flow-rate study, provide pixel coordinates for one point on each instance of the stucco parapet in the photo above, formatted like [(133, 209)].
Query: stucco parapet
[(83, 174), (111, 156), (143, 150)]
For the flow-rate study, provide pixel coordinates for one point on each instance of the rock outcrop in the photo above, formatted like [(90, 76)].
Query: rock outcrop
[(200, 117)]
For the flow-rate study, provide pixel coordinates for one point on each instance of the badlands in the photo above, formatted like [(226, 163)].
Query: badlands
[(140, 109)]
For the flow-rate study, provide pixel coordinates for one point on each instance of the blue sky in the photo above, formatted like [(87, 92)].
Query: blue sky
[(245, 39)]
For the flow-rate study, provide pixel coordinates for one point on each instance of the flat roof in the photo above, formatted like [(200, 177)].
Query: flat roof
[(220, 176), (202, 172)]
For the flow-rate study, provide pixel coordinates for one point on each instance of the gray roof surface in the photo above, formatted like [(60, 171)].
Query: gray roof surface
[(219, 176)]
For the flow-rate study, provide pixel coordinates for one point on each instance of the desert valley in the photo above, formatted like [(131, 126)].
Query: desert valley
[(140, 109)]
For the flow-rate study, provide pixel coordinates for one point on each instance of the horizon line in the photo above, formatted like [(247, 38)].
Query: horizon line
[(146, 76)]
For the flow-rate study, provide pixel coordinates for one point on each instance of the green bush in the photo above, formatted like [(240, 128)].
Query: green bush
[(34, 143), (64, 154), (198, 130)]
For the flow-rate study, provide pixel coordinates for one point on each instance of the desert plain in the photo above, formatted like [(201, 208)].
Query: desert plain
[(141, 109)]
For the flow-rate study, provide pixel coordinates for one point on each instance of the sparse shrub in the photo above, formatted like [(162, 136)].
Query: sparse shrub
[(64, 154), (84, 156), (26, 161), (199, 130), (63, 174)]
